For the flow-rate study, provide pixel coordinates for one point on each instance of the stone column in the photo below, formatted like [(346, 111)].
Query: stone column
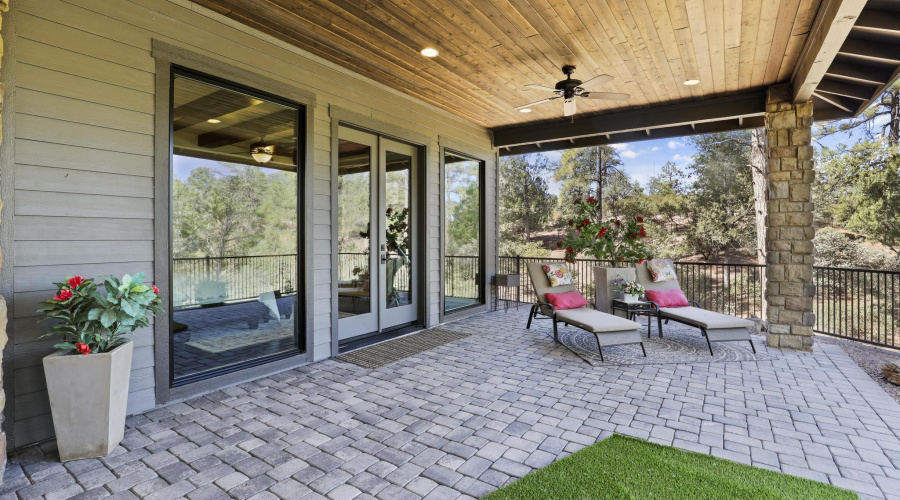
[(4, 7), (789, 289)]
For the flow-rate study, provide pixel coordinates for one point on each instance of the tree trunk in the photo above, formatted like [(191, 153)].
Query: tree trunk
[(759, 169)]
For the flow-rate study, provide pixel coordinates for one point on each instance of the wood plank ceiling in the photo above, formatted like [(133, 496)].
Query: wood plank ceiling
[(491, 49)]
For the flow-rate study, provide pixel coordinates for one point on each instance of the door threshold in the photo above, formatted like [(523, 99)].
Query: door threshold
[(378, 337)]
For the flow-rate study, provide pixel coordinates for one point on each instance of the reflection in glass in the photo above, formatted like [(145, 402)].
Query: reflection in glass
[(398, 279), (234, 229), (462, 232), (354, 202)]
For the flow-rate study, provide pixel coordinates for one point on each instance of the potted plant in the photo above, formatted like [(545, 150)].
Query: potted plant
[(631, 290), (87, 378), (615, 240)]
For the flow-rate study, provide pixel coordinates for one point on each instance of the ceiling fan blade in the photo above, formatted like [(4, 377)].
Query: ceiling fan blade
[(569, 107), (609, 96), (540, 87), (597, 80), (535, 103)]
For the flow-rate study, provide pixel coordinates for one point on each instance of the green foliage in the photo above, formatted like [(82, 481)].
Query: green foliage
[(525, 200), (103, 318), (835, 249), (518, 246), (624, 468), (238, 210), (462, 207), (603, 240), (582, 170)]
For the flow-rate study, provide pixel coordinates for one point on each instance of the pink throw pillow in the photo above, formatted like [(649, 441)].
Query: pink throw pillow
[(668, 298), (567, 300)]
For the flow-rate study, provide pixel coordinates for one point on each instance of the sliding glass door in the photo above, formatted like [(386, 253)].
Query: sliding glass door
[(235, 228), (463, 232)]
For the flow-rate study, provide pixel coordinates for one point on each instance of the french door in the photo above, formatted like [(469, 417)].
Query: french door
[(377, 266)]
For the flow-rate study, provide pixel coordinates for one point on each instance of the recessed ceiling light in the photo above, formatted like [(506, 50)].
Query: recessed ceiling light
[(213, 120), (429, 52), (524, 110), (691, 82)]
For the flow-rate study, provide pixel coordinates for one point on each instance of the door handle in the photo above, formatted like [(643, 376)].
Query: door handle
[(384, 258)]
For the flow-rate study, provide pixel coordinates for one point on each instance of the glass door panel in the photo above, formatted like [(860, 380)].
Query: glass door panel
[(462, 232), (398, 162), (357, 267)]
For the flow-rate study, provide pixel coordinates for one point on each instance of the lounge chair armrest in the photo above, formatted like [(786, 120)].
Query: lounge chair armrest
[(695, 304), (594, 306), (654, 306)]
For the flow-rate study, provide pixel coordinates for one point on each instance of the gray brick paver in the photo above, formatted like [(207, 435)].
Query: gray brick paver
[(439, 426)]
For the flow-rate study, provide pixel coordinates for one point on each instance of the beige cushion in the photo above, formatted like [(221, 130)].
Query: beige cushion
[(643, 276), (702, 318), (541, 282), (595, 321)]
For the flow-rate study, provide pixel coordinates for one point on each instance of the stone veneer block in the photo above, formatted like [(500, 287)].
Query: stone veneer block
[(789, 290)]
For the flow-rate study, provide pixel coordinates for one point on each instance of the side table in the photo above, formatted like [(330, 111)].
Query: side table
[(636, 308)]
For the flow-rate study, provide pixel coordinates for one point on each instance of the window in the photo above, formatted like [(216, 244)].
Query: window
[(463, 238), (235, 228)]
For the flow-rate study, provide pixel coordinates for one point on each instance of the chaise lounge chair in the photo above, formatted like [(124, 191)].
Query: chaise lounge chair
[(609, 330), (715, 326)]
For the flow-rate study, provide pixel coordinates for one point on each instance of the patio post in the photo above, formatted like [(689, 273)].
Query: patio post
[(4, 7), (789, 289)]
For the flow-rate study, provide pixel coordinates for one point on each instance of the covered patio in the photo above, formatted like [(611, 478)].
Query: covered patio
[(463, 419), (357, 130)]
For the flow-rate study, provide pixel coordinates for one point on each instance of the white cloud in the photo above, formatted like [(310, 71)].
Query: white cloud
[(654, 148), (621, 147), (629, 153), (682, 159), (674, 144)]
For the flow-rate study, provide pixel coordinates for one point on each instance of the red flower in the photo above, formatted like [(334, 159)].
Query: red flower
[(618, 222), (640, 261), (82, 348), (155, 290), (63, 295), (74, 281), (577, 201), (571, 221), (592, 200), (640, 219), (569, 250), (602, 232), (558, 244), (585, 222)]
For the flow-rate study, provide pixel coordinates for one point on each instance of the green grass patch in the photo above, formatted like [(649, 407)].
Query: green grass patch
[(622, 467)]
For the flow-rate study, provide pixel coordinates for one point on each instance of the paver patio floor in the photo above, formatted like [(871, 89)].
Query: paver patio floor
[(465, 418)]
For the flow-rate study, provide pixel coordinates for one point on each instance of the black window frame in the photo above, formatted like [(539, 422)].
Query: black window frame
[(300, 155), (482, 230)]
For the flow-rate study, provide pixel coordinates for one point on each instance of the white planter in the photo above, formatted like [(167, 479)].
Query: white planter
[(88, 397), (630, 298), (603, 292)]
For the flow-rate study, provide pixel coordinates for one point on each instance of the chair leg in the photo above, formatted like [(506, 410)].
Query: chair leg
[(530, 316), (555, 331), (753, 347), (659, 325), (708, 343), (644, 350), (599, 349)]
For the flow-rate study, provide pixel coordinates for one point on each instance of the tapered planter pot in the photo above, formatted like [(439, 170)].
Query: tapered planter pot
[(603, 292), (88, 398)]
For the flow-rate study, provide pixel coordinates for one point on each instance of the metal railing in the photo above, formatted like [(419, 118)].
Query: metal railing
[(461, 276), (199, 280), (859, 304)]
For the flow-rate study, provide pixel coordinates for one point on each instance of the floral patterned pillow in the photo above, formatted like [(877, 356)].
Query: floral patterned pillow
[(661, 270), (558, 274)]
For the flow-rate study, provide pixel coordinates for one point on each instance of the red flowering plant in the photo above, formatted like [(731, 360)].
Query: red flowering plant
[(95, 321), (616, 240)]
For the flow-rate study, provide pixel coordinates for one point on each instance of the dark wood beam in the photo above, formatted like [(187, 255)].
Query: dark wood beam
[(870, 50), (696, 112), (878, 21), (842, 103), (830, 28), (825, 111), (251, 129), (639, 135), (861, 92), (859, 72)]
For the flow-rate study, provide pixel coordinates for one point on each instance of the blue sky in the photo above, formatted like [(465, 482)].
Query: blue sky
[(645, 159)]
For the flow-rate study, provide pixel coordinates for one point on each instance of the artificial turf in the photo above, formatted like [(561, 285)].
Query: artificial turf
[(622, 467)]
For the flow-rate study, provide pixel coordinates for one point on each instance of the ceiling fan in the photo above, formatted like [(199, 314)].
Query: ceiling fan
[(570, 88)]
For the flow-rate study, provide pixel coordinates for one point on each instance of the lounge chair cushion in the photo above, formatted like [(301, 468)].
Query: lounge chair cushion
[(710, 320), (595, 321), (567, 300)]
